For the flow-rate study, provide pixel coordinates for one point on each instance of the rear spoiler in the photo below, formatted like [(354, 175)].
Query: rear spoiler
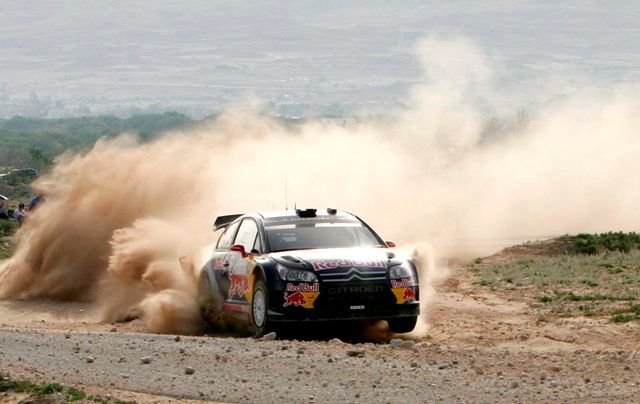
[(224, 221)]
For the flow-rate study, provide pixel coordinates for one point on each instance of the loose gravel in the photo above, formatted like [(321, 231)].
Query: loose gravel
[(270, 371)]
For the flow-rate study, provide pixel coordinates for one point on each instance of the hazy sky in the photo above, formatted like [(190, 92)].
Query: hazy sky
[(318, 52)]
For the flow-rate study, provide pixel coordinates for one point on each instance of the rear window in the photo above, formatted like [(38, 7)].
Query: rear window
[(227, 237)]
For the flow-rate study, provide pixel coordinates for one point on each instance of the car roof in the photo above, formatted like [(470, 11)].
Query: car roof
[(288, 216), (292, 213)]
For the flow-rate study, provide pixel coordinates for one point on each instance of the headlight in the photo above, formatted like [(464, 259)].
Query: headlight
[(301, 276), (400, 271), (295, 275)]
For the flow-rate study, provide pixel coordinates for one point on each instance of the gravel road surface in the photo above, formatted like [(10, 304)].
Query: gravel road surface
[(478, 348)]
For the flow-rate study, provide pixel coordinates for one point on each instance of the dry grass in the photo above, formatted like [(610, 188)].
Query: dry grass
[(606, 284)]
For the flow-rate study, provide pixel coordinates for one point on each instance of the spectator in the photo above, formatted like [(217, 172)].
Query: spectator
[(37, 200), (3, 211), (20, 214)]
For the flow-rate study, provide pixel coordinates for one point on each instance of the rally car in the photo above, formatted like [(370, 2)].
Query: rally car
[(307, 265)]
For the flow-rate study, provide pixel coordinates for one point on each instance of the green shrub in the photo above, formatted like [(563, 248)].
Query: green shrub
[(572, 297), (612, 241), (590, 282), (39, 390), (622, 318)]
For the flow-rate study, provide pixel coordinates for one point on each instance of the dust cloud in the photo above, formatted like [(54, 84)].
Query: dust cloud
[(126, 223)]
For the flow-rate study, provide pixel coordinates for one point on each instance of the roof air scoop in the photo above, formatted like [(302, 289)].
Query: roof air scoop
[(307, 212)]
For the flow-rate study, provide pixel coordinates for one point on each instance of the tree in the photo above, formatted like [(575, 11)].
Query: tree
[(39, 159)]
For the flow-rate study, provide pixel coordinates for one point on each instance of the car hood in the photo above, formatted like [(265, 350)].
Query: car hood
[(332, 259)]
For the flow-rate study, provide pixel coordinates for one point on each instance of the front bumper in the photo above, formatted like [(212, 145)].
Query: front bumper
[(344, 301), (374, 313)]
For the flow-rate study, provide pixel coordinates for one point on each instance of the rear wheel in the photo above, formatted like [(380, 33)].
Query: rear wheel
[(259, 308), (205, 298), (402, 324)]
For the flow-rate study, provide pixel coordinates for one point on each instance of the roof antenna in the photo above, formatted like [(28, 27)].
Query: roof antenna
[(286, 196)]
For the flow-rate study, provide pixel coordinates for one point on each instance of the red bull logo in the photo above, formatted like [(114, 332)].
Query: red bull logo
[(294, 299), (346, 263), (409, 295), (239, 285)]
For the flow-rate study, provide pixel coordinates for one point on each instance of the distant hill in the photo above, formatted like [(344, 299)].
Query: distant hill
[(24, 139)]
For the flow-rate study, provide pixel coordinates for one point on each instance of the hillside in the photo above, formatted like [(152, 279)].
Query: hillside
[(29, 142)]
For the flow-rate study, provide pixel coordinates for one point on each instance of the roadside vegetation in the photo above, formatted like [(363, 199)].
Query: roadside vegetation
[(583, 275), (48, 392), (34, 142), (7, 228), (600, 243)]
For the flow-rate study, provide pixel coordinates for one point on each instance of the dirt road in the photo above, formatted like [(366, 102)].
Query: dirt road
[(479, 347)]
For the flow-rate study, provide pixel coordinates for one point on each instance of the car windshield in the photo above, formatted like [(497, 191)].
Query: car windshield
[(320, 235)]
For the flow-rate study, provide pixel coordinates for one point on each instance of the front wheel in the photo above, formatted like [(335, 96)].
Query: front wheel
[(259, 309), (402, 324)]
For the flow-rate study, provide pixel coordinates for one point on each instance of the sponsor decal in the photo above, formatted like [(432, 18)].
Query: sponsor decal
[(239, 285), (320, 265), (404, 295), (272, 222), (303, 287), (356, 289), (300, 299), (409, 295), (223, 262), (402, 283), (294, 299)]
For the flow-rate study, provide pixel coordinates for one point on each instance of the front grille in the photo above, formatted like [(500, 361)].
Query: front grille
[(353, 275), (351, 294)]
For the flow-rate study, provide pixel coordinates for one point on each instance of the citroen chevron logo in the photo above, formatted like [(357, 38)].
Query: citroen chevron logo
[(354, 273), (356, 276)]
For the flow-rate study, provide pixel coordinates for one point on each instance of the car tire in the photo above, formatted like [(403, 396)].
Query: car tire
[(402, 324), (260, 309), (205, 299)]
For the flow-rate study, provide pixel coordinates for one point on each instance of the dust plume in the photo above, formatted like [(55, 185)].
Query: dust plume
[(126, 223)]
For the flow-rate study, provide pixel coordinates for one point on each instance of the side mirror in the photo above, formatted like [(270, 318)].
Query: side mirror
[(390, 244), (239, 248)]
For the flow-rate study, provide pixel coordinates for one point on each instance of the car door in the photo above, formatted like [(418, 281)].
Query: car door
[(222, 259), (241, 265)]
